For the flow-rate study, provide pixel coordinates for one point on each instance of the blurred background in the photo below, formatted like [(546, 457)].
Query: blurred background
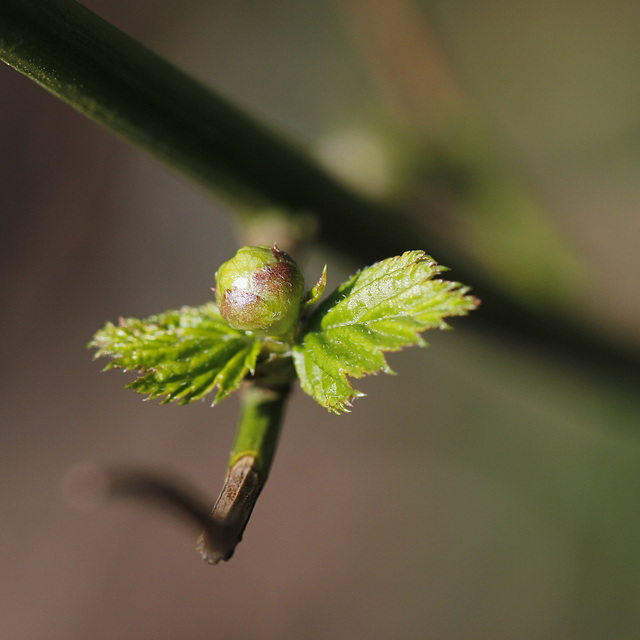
[(490, 490)]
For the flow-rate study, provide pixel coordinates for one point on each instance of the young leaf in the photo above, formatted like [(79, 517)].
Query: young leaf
[(182, 355), (382, 308), (318, 289)]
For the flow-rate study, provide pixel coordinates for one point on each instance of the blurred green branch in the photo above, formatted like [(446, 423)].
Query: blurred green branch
[(119, 83)]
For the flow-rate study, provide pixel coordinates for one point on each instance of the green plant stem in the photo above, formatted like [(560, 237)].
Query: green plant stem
[(121, 84), (262, 411), (249, 465), (259, 427), (116, 81)]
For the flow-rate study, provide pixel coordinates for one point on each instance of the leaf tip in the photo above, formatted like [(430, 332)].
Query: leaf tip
[(317, 290)]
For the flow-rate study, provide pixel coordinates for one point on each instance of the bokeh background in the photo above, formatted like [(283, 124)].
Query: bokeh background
[(487, 491)]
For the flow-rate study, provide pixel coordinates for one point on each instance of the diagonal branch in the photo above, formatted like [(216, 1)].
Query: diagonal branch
[(119, 83)]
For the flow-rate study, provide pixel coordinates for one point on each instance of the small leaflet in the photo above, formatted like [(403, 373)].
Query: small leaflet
[(384, 307), (182, 355)]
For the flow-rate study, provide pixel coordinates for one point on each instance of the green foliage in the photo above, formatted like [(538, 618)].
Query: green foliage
[(382, 308), (181, 354)]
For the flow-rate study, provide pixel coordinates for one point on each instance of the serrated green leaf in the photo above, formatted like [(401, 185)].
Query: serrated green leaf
[(382, 308), (182, 354)]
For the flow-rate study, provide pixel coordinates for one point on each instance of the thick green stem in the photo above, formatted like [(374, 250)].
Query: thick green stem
[(121, 84), (124, 86), (249, 465), (259, 427)]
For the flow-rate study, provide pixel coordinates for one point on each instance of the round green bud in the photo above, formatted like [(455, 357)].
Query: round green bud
[(261, 290)]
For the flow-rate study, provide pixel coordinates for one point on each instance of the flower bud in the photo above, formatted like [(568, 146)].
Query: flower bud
[(261, 290)]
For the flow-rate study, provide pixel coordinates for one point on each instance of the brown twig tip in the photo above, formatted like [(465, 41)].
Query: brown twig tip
[(232, 511)]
